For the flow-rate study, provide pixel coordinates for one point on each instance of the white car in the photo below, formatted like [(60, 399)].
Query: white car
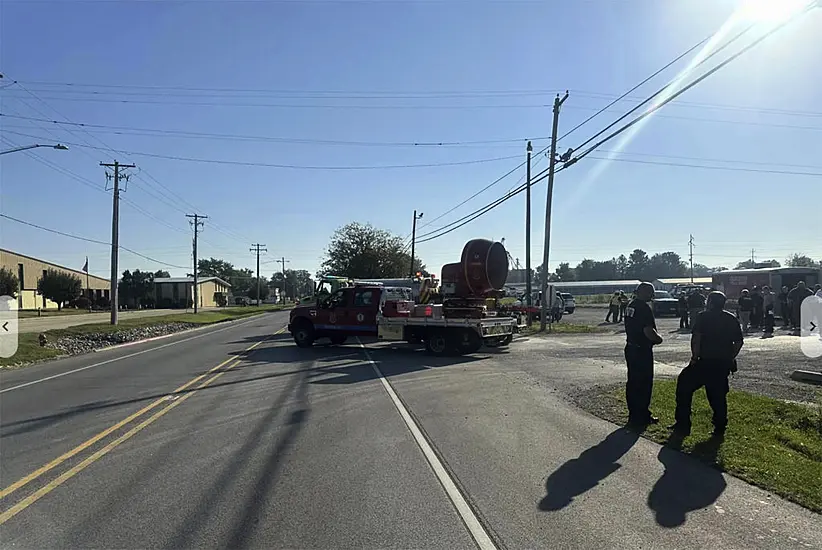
[(570, 304)]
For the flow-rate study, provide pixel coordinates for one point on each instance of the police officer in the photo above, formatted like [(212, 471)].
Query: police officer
[(716, 339), (641, 336)]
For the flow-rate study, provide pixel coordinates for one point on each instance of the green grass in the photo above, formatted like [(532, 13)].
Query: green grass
[(29, 350), (769, 443), (28, 313), (560, 328)]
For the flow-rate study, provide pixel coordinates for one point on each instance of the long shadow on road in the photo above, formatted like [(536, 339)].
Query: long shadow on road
[(583, 473)]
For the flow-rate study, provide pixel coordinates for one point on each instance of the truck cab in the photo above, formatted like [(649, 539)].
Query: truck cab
[(348, 311), (326, 286)]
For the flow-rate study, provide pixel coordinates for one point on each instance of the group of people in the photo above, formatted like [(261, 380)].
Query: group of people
[(756, 309), (616, 307), (690, 303), (716, 339)]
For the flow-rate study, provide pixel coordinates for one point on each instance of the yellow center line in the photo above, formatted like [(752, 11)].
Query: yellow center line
[(88, 443)]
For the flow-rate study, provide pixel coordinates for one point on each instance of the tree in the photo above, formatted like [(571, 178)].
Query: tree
[(59, 287), (136, 288), (213, 267), (666, 264), (638, 264), (361, 251), (8, 283), (161, 274), (240, 281), (621, 266), (800, 260), (297, 282), (264, 289), (564, 272)]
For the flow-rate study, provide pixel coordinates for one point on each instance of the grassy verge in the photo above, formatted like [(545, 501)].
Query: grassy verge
[(561, 328), (769, 443), (29, 350), (28, 313)]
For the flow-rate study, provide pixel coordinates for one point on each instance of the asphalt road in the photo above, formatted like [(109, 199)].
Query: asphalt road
[(267, 445)]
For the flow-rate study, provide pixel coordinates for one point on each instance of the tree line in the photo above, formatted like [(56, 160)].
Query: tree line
[(639, 265)]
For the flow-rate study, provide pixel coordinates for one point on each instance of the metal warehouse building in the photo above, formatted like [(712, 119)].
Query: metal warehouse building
[(588, 288), (179, 291), (30, 270)]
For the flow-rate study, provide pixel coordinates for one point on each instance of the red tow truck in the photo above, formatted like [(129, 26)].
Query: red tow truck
[(461, 324)]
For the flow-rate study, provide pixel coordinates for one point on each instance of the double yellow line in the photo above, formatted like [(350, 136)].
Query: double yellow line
[(49, 487)]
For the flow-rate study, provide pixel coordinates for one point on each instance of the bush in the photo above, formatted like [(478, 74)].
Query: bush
[(9, 285), (81, 303), (59, 287), (220, 299), (102, 302)]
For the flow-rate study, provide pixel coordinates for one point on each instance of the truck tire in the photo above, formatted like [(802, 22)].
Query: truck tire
[(338, 339), (436, 343), (499, 341), (570, 311), (303, 334), (466, 341)]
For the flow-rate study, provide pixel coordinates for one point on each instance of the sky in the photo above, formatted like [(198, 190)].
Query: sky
[(283, 120)]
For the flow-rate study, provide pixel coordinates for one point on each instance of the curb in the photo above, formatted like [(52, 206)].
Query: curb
[(186, 331)]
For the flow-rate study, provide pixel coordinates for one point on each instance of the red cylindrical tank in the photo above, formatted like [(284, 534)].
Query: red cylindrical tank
[(484, 267)]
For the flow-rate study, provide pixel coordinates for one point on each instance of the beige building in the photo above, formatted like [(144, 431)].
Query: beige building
[(30, 270), (179, 291)]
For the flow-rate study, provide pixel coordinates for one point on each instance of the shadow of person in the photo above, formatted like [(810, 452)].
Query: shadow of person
[(586, 471), (687, 484)]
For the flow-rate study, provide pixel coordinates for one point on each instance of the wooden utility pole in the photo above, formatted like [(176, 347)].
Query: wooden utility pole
[(196, 224), (552, 164), (283, 261), (115, 232), (413, 241), (258, 248), (691, 256), (528, 299)]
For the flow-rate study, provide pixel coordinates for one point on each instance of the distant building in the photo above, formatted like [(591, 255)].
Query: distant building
[(30, 270), (732, 282), (179, 291), (517, 277), (589, 288)]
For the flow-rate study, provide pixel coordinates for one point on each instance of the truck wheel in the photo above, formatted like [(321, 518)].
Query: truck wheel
[(304, 335), (436, 343), (506, 340), (338, 339), (467, 341)]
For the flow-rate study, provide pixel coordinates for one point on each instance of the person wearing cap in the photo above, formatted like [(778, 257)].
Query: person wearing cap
[(817, 290), (744, 306), (716, 339), (641, 337)]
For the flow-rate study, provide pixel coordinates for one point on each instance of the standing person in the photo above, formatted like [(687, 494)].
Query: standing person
[(818, 290), (769, 301), (696, 303), (613, 308), (784, 308), (623, 304), (715, 342), (795, 298), (757, 312), (744, 306), (683, 311), (641, 337)]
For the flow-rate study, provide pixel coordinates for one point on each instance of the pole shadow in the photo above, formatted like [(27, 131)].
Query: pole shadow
[(687, 484), (583, 473)]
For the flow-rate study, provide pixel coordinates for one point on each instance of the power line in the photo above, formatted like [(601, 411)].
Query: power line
[(290, 166), (681, 91), (95, 241)]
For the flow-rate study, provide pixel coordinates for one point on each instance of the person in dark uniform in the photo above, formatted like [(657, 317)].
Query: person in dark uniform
[(716, 339), (683, 311), (641, 337)]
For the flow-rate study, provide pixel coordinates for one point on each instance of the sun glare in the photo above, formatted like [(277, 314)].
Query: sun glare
[(771, 11)]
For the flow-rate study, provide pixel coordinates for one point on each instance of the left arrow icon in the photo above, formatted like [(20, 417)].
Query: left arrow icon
[(6, 326)]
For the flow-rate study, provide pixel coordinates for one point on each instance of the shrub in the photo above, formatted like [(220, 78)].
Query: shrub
[(81, 303), (9, 285), (59, 287)]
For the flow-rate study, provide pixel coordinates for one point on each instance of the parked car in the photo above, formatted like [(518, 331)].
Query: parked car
[(665, 304), (570, 303)]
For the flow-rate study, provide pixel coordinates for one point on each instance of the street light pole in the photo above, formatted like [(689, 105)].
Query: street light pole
[(59, 147)]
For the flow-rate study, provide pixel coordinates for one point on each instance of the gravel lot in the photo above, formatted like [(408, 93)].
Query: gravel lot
[(765, 364)]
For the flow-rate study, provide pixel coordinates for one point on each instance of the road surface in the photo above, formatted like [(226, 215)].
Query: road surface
[(52, 322), (270, 446)]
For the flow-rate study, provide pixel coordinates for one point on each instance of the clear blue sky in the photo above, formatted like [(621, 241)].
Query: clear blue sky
[(423, 70)]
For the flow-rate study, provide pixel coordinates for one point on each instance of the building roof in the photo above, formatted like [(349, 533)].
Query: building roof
[(684, 280), (596, 283), (77, 272), (770, 270), (161, 280)]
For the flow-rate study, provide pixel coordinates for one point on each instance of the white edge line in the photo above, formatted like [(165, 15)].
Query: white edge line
[(107, 361), (475, 528)]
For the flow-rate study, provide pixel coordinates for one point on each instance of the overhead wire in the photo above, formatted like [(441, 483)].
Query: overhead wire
[(86, 239)]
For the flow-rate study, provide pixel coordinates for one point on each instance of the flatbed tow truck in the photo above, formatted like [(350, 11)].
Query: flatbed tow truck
[(461, 324)]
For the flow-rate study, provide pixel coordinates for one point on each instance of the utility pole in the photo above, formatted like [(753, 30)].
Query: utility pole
[(551, 169), (196, 224), (413, 240), (258, 248), (115, 232), (691, 256), (753, 261), (528, 299), (283, 261)]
